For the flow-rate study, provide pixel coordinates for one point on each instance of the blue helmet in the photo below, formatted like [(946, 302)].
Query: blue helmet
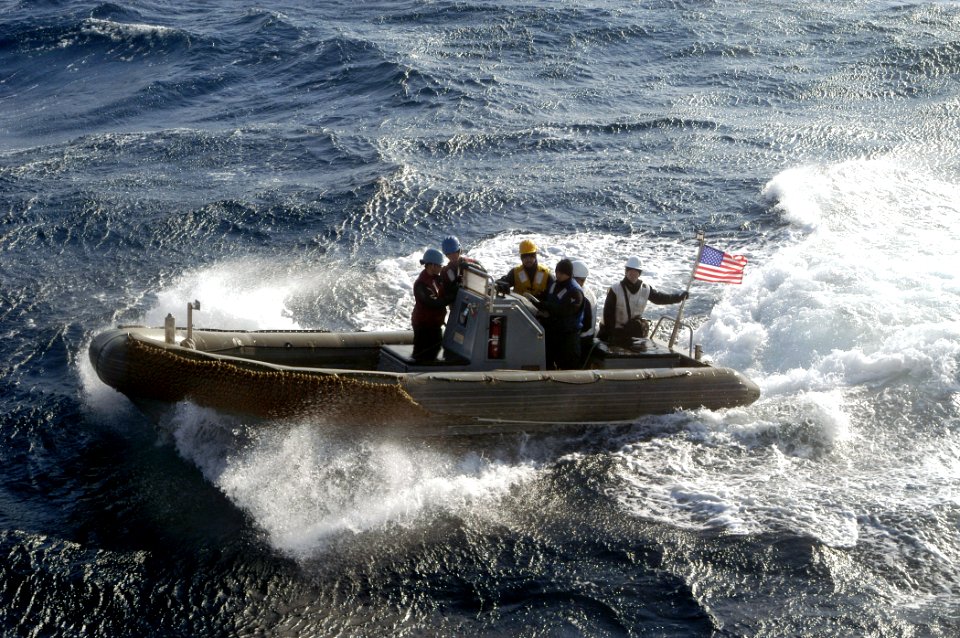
[(450, 245), (432, 256)]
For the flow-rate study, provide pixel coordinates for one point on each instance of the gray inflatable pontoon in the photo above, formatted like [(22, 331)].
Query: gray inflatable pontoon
[(492, 372)]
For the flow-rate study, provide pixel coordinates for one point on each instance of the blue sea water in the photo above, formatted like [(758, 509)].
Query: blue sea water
[(287, 163)]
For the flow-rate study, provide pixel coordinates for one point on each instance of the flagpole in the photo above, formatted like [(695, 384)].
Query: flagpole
[(701, 239)]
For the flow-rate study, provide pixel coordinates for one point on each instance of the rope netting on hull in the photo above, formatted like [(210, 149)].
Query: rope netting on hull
[(159, 373)]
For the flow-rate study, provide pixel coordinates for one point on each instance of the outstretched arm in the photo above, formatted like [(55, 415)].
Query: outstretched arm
[(662, 298)]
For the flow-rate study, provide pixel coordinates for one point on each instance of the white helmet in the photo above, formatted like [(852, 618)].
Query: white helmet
[(633, 262), (580, 270)]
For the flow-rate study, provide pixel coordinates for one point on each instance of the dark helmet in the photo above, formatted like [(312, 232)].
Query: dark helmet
[(450, 245), (432, 256)]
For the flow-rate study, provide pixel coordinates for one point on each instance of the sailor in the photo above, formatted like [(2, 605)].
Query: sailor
[(588, 330), (529, 276), (451, 275), (429, 309), (625, 303), (562, 319)]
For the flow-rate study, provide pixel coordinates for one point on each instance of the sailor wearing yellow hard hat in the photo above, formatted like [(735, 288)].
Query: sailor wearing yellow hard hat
[(529, 276)]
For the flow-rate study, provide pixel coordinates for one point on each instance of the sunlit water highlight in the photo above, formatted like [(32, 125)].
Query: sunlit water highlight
[(288, 167)]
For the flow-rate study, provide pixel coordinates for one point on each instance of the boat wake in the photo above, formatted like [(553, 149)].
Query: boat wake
[(850, 328), (842, 325), (306, 484)]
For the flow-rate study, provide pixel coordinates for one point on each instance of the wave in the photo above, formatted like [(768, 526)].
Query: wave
[(544, 141), (305, 485), (923, 63), (848, 325), (854, 221), (288, 168), (104, 31), (122, 68)]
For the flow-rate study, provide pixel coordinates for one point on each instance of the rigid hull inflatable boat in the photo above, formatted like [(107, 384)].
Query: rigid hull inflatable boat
[(492, 371)]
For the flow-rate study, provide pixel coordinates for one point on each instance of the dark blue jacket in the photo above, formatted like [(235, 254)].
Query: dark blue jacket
[(564, 303)]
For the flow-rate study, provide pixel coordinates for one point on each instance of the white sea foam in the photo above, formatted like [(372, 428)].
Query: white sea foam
[(239, 294), (863, 298), (120, 31), (860, 298), (305, 486), (253, 293)]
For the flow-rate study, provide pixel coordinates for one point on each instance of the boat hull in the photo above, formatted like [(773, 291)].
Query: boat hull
[(237, 373)]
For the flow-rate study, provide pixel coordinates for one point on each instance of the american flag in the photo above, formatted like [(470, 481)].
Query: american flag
[(717, 266)]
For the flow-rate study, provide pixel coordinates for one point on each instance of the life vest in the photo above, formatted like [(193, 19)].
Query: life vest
[(589, 314), (522, 283), (637, 302)]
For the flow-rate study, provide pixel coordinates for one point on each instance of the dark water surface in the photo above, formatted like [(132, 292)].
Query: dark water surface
[(288, 164)]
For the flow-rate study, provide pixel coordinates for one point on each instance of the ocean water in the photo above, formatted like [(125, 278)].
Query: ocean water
[(287, 163)]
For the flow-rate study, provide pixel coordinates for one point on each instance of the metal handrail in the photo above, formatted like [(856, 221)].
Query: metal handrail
[(673, 320)]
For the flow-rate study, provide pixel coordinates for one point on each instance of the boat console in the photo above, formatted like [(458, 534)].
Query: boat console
[(489, 330), (486, 330)]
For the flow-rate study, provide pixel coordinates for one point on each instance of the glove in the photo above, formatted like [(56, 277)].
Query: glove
[(503, 287), (684, 295)]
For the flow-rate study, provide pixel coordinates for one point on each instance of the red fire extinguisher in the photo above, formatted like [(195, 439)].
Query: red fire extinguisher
[(496, 332)]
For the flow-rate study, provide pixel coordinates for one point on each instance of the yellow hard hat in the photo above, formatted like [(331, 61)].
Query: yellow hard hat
[(527, 247)]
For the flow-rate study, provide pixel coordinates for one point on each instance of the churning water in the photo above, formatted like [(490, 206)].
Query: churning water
[(288, 165)]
